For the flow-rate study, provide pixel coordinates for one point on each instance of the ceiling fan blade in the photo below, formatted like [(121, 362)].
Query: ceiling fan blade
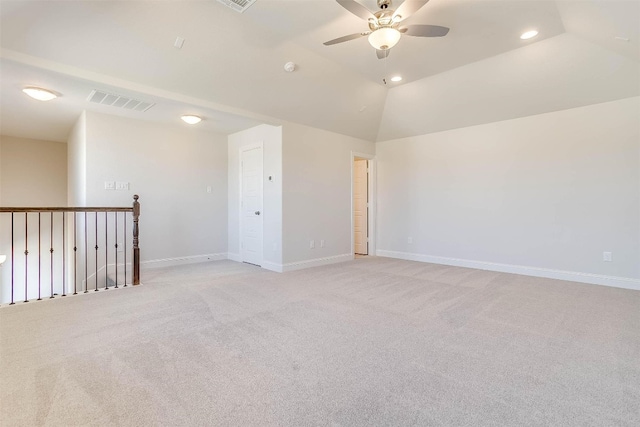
[(408, 8), (382, 53), (425, 31), (346, 38), (357, 9)]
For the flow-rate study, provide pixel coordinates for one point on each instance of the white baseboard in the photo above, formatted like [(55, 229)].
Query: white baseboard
[(169, 262), (234, 257), (272, 266), (299, 265), (594, 279)]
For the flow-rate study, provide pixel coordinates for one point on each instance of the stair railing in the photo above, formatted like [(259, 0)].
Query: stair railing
[(78, 240)]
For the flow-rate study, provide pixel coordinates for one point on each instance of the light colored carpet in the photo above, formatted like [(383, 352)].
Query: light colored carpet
[(372, 342)]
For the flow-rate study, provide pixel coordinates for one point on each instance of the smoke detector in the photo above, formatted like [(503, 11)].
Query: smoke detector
[(290, 67)]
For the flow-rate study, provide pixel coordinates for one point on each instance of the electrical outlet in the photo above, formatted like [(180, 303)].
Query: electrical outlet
[(410, 240), (312, 244), (606, 256), (122, 185), (322, 243), (109, 185), (208, 189)]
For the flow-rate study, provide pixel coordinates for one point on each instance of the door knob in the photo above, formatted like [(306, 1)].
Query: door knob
[(257, 212)]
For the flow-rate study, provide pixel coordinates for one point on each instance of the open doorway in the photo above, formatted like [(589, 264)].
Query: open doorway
[(362, 203), (360, 207)]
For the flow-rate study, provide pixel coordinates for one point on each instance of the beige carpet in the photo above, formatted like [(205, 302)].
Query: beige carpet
[(372, 342)]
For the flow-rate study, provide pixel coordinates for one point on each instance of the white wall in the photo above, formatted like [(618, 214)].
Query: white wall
[(170, 168), (317, 194), (0, 173), (271, 138), (77, 163), (551, 191), (33, 173)]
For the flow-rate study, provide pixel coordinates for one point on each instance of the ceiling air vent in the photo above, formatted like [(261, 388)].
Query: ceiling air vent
[(237, 5), (99, 97)]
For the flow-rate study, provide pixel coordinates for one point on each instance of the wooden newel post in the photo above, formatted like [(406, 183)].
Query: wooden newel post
[(136, 248)]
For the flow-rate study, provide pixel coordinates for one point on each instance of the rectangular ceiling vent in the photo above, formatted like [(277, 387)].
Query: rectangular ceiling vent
[(99, 97), (237, 5)]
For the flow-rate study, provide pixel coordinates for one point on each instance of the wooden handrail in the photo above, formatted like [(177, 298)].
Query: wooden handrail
[(69, 209), (50, 213)]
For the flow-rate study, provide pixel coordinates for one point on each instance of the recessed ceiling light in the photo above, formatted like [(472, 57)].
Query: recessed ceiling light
[(192, 120), (396, 78), (529, 35), (39, 93)]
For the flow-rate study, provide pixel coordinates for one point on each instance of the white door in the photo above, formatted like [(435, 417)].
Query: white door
[(251, 206), (360, 211)]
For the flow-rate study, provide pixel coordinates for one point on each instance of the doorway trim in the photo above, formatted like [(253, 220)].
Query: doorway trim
[(372, 207), (241, 150)]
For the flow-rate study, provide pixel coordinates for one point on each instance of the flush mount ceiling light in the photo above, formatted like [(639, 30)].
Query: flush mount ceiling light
[(192, 120), (529, 35), (396, 79), (39, 93), (384, 38)]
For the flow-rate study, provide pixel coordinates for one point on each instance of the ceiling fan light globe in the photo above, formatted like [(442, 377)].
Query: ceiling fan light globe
[(384, 38)]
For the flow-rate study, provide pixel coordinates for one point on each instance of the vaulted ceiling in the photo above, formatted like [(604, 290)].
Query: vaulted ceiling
[(230, 69)]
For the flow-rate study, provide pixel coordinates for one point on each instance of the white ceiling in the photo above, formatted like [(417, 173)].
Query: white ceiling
[(28, 118), (230, 69)]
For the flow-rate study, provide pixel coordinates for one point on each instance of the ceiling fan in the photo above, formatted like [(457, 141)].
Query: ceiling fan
[(384, 25)]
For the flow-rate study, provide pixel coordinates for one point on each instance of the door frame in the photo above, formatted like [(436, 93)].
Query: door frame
[(371, 209), (241, 150)]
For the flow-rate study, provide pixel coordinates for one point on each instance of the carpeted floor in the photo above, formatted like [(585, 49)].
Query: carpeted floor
[(372, 342)]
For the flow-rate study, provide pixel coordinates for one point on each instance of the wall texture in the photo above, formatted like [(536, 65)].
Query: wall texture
[(77, 163), (317, 194), (34, 173), (170, 169), (549, 193)]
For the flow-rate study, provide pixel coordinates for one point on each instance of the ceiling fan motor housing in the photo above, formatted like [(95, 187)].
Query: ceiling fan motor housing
[(384, 18), (384, 25)]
